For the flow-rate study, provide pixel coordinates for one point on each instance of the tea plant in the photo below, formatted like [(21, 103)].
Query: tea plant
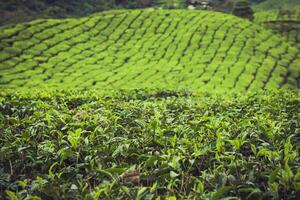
[(129, 49), (149, 145), (282, 21)]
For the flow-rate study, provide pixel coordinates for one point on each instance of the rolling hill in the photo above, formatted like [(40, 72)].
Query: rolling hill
[(130, 49), (16, 11), (276, 4), (286, 22)]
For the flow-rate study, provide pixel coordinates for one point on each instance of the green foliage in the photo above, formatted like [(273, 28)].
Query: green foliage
[(149, 142), (282, 21), (15, 11), (174, 144), (129, 49)]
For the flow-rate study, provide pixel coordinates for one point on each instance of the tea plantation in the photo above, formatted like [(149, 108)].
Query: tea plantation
[(284, 22), (172, 49), (151, 104), (149, 144)]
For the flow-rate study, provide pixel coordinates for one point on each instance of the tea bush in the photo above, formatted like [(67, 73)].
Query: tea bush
[(85, 145), (162, 49)]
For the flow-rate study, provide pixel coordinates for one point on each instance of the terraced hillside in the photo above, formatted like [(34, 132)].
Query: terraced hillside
[(200, 50), (284, 22)]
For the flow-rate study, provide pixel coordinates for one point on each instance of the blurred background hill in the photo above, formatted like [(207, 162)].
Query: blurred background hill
[(16, 11)]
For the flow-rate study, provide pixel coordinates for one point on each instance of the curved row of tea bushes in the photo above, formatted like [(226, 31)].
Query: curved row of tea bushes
[(201, 50)]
